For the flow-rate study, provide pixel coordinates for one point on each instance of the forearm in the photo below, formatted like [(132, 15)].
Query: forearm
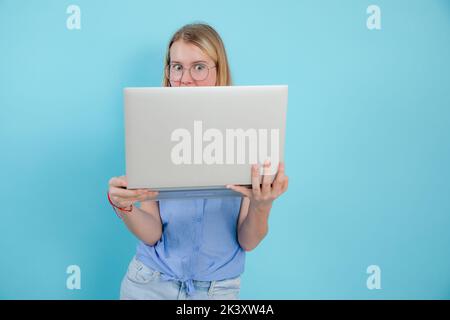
[(147, 227), (255, 227)]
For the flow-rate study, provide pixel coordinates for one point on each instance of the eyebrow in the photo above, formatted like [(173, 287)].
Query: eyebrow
[(175, 61)]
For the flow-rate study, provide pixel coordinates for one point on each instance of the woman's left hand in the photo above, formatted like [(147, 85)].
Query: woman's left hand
[(262, 197)]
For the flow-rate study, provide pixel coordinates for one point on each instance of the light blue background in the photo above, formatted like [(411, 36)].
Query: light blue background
[(368, 149)]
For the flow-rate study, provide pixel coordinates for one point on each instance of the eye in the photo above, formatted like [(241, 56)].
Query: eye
[(176, 67), (199, 67)]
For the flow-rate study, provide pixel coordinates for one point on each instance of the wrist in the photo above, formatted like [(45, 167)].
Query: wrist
[(260, 207), (119, 209)]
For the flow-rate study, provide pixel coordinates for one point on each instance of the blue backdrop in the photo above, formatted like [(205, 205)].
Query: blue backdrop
[(368, 147)]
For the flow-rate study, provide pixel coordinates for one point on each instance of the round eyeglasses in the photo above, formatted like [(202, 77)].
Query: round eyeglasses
[(198, 71)]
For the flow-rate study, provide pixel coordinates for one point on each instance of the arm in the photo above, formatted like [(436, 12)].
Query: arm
[(256, 205), (252, 225), (145, 222)]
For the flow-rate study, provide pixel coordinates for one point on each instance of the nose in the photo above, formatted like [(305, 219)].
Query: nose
[(186, 79)]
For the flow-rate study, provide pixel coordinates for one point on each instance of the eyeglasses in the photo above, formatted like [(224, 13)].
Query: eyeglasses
[(198, 71)]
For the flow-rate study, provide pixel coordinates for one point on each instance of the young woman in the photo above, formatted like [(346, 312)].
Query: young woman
[(194, 248)]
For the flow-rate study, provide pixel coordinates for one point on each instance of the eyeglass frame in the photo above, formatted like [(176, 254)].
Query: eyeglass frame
[(166, 71)]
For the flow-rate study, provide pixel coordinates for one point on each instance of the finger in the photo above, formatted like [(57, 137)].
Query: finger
[(124, 193), (266, 178), (118, 182), (150, 195), (285, 184), (139, 199), (242, 190), (120, 202), (278, 181), (281, 170), (256, 189), (279, 178), (129, 201)]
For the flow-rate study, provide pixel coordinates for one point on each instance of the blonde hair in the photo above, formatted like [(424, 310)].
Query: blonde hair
[(208, 40)]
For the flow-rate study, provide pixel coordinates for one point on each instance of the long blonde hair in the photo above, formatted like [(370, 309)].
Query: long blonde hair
[(208, 40)]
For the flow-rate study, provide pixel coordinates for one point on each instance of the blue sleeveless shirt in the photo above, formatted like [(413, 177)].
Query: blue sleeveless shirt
[(198, 242)]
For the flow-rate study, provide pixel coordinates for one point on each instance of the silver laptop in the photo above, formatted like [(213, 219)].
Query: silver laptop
[(193, 141)]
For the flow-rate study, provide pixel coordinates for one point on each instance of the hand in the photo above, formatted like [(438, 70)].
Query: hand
[(265, 195), (123, 197)]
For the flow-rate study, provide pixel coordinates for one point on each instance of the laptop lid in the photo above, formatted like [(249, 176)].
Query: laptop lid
[(195, 138)]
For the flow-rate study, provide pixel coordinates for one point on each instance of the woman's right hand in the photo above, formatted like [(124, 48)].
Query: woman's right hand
[(123, 197)]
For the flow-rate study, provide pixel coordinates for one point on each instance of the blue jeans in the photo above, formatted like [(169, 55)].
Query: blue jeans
[(142, 283)]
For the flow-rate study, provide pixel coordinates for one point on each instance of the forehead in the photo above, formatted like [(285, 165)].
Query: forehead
[(187, 53)]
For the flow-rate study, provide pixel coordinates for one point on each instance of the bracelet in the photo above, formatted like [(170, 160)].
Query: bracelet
[(121, 209)]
